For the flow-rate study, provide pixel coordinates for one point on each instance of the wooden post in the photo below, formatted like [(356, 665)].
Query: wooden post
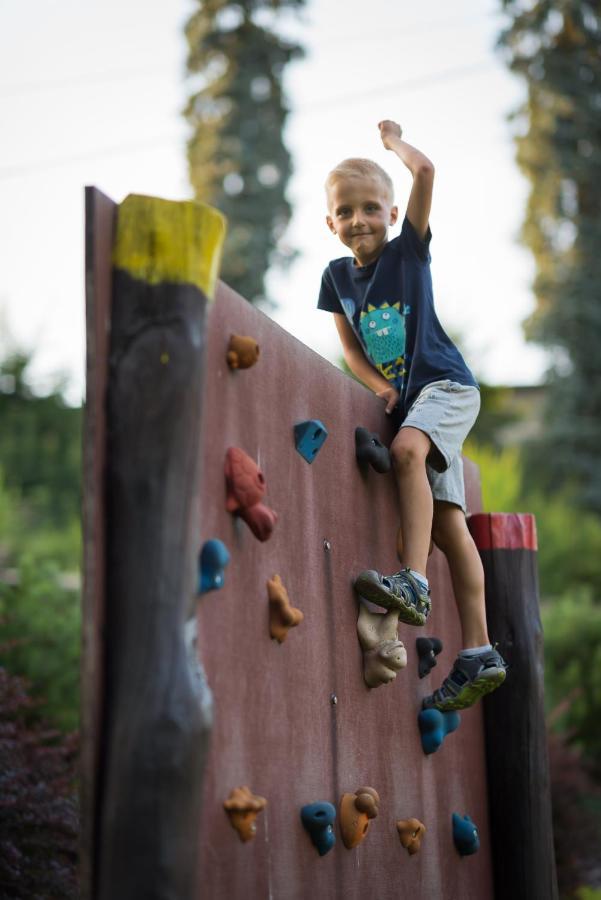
[(153, 737), (100, 221), (516, 741)]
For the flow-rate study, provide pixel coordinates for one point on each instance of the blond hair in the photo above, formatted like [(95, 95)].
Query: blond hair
[(356, 167)]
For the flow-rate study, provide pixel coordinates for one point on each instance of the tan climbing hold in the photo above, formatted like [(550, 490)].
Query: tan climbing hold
[(242, 352), (242, 807), (383, 653), (411, 832), (355, 812), (282, 615)]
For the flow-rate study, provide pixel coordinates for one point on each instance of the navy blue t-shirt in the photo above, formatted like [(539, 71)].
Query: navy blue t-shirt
[(390, 307)]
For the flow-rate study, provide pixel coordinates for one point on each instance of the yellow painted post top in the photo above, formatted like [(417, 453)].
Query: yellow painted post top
[(169, 240)]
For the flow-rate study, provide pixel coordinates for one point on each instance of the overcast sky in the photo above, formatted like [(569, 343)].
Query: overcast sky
[(91, 93)]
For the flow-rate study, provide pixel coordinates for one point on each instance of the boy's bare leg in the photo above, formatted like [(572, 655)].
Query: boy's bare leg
[(409, 451), (452, 536)]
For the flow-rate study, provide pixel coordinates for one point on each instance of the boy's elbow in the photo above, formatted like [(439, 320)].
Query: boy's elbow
[(425, 170)]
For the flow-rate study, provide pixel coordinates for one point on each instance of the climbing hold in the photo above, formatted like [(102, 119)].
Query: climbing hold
[(282, 614), (427, 651), (370, 449), (318, 819), (465, 835), (434, 726), (245, 484), (309, 437), (355, 812), (383, 653), (411, 832), (242, 352), (213, 559), (242, 807)]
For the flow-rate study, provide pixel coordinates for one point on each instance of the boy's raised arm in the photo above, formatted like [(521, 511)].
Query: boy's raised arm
[(422, 170)]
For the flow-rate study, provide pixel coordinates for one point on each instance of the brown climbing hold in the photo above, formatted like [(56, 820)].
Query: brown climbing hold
[(242, 807), (245, 484), (355, 812), (282, 614), (411, 832), (383, 653), (242, 352)]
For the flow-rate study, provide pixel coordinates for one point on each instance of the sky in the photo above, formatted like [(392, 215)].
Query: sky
[(91, 93)]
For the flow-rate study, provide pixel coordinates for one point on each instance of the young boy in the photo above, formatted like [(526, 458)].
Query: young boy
[(383, 307)]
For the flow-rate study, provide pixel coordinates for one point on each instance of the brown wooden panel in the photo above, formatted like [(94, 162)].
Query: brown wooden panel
[(100, 215), (276, 728)]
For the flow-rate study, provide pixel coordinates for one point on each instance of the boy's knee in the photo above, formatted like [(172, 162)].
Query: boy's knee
[(449, 526), (409, 450)]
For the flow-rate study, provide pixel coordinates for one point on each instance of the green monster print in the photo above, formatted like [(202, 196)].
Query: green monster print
[(383, 330)]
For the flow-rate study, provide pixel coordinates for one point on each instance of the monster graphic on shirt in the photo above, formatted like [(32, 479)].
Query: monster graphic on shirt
[(383, 331)]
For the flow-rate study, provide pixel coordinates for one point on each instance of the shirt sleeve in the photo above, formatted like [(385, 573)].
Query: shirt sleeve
[(412, 245), (328, 298)]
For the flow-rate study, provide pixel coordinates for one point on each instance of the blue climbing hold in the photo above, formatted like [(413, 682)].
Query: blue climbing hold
[(434, 726), (214, 557), (465, 835), (318, 819), (309, 438)]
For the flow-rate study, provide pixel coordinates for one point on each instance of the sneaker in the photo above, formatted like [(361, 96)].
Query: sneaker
[(471, 678), (400, 592)]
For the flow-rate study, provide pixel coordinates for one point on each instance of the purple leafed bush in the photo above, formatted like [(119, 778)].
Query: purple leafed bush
[(39, 818)]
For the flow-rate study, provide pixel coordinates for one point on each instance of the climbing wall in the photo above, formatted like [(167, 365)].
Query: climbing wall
[(295, 721)]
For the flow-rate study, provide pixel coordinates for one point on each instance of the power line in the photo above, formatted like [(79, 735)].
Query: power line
[(418, 83), (32, 87), (107, 77), (414, 84), (152, 143), (409, 31)]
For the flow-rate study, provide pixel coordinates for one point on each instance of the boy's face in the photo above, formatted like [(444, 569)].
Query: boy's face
[(360, 212)]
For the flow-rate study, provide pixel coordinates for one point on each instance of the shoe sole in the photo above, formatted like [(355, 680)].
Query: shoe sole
[(377, 593), (483, 684)]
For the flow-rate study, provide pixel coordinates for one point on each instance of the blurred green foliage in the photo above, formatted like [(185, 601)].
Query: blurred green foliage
[(569, 539), (40, 542), (572, 627), (554, 46)]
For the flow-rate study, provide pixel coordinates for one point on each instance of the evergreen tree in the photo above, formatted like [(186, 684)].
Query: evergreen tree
[(237, 159), (555, 45)]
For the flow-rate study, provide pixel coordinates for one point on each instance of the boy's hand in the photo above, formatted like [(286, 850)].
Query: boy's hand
[(391, 396), (389, 129)]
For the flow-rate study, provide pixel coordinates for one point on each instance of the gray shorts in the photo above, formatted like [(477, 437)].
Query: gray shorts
[(445, 411)]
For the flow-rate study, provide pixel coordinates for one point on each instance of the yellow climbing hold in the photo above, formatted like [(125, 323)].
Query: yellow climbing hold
[(167, 240)]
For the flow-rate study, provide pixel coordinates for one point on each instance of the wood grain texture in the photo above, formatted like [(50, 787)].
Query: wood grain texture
[(516, 740), (100, 216)]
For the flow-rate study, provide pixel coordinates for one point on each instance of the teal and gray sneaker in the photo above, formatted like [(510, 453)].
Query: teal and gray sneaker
[(471, 678), (400, 592)]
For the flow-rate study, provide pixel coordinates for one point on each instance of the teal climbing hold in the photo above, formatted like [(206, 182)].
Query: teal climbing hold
[(434, 726), (309, 438), (214, 557), (318, 819), (465, 835)]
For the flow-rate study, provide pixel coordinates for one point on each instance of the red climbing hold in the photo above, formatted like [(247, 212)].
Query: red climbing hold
[(246, 486)]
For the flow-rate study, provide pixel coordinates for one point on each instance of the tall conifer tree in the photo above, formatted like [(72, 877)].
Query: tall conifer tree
[(555, 45), (237, 158)]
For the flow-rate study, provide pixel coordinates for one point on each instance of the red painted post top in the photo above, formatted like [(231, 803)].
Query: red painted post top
[(503, 531)]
